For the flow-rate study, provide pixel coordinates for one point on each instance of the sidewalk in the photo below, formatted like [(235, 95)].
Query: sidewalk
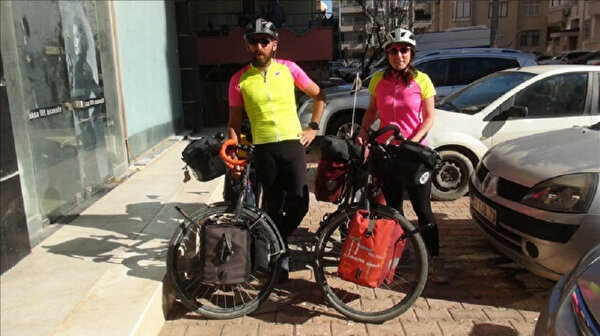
[(102, 273)]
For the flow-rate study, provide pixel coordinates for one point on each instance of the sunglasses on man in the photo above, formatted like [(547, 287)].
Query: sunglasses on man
[(396, 50), (263, 41)]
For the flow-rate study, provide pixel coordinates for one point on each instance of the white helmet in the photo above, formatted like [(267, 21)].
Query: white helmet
[(400, 35)]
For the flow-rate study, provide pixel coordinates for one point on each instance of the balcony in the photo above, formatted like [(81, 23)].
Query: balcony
[(350, 8), (352, 45)]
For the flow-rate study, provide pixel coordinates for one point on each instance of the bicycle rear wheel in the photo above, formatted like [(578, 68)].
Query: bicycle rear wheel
[(364, 304), (220, 301)]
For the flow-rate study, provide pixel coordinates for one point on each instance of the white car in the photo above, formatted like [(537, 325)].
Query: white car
[(506, 105)]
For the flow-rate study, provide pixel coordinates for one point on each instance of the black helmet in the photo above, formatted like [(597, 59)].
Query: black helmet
[(260, 26)]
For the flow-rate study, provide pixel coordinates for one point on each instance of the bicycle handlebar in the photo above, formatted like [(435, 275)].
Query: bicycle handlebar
[(229, 161), (397, 134)]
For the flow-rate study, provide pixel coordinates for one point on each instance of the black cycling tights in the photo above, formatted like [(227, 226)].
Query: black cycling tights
[(281, 171), (420, 198)]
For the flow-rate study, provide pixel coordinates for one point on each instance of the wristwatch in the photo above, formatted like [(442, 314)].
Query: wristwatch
[(313, 125)]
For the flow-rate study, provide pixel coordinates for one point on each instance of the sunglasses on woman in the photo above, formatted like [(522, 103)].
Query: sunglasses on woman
[(396, 50), (263, 41)]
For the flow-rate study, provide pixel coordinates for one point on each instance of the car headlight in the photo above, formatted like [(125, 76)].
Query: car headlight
[(567, 193)]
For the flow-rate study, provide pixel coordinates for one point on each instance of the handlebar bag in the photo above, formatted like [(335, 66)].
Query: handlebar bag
[(225, 253), (202, 156), (339, 149), (329, 180), (369, 250), (413, 162)]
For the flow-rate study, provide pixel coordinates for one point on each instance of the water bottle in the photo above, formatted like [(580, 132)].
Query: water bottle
[(251, 199)]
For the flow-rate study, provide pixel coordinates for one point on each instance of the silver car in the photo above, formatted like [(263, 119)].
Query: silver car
[(574, 305), (536, 198)]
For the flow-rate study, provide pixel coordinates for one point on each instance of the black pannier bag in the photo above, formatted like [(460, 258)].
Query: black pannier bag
[(225, 253), (413, 162), (202, 156)]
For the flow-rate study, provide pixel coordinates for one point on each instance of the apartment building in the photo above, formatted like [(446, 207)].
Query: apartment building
[(573, 24), (547, 26)]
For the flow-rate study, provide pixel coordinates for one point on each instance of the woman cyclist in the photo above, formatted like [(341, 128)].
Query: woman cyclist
[(404, 96)]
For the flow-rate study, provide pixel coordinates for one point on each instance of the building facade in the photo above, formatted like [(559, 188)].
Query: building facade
[(74, 112)]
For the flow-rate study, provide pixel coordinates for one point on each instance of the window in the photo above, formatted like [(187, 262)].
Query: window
[(530, 38), (531, 8), (471, 69), (421, 15), (461, 9), (502, 9), (555, 3), (587, 29), (437, 71), (556, 96)]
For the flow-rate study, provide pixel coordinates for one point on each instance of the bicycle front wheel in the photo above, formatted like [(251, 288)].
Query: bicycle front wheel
[(364, 304), (220, 301)]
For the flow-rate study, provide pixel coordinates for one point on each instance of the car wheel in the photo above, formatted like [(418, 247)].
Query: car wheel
[(342, 124), (451, 180)]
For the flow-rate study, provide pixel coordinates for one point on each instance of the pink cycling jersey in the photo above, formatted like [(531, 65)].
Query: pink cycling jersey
[(401, 104)]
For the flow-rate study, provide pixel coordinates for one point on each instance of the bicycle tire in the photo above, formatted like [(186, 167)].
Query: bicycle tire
[(220, 301), (361, 303)]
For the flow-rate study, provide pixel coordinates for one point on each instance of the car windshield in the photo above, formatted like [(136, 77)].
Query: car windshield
[(479, 94)]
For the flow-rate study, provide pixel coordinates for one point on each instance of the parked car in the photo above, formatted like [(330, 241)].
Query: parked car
[(506, 105), (536, 198), (574, 305), (449, 69), (587, 57), (566, 57), (452, 69)]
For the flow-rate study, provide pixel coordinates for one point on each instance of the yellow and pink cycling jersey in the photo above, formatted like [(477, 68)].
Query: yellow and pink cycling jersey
[(400, 104), (269, 99)]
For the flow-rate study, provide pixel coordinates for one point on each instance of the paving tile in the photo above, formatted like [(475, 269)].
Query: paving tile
[(353, 329), (274, 329), (421, 329), (458, 328), (464, 314), (393, 329), (250, 329), (496, 314), (433, 315), (312, 329)]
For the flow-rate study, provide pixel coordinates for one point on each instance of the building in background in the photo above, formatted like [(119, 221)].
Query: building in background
[(573, 24)]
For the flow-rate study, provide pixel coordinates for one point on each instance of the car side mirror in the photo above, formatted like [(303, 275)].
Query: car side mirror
[(515, 112)]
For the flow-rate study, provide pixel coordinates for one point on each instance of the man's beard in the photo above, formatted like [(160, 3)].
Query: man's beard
[(263, 61)]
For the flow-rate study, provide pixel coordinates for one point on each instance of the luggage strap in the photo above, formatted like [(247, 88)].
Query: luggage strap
[(227, 249)]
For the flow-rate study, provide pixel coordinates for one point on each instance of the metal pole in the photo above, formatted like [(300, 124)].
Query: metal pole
[(494, 24)]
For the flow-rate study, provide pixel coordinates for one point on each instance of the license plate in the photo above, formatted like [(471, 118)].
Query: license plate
[(484, 210)]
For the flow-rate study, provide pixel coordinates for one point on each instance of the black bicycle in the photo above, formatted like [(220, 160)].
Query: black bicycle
[(360, 192), (185, 262)]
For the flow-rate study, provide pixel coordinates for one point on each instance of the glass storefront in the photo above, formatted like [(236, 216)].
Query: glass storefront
[(58, 52)]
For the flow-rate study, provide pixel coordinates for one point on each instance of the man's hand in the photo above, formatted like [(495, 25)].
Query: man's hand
[(307, 136), (361, 139)]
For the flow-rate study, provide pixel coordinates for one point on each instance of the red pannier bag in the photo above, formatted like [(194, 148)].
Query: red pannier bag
[(371, 251), (329, 180)]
